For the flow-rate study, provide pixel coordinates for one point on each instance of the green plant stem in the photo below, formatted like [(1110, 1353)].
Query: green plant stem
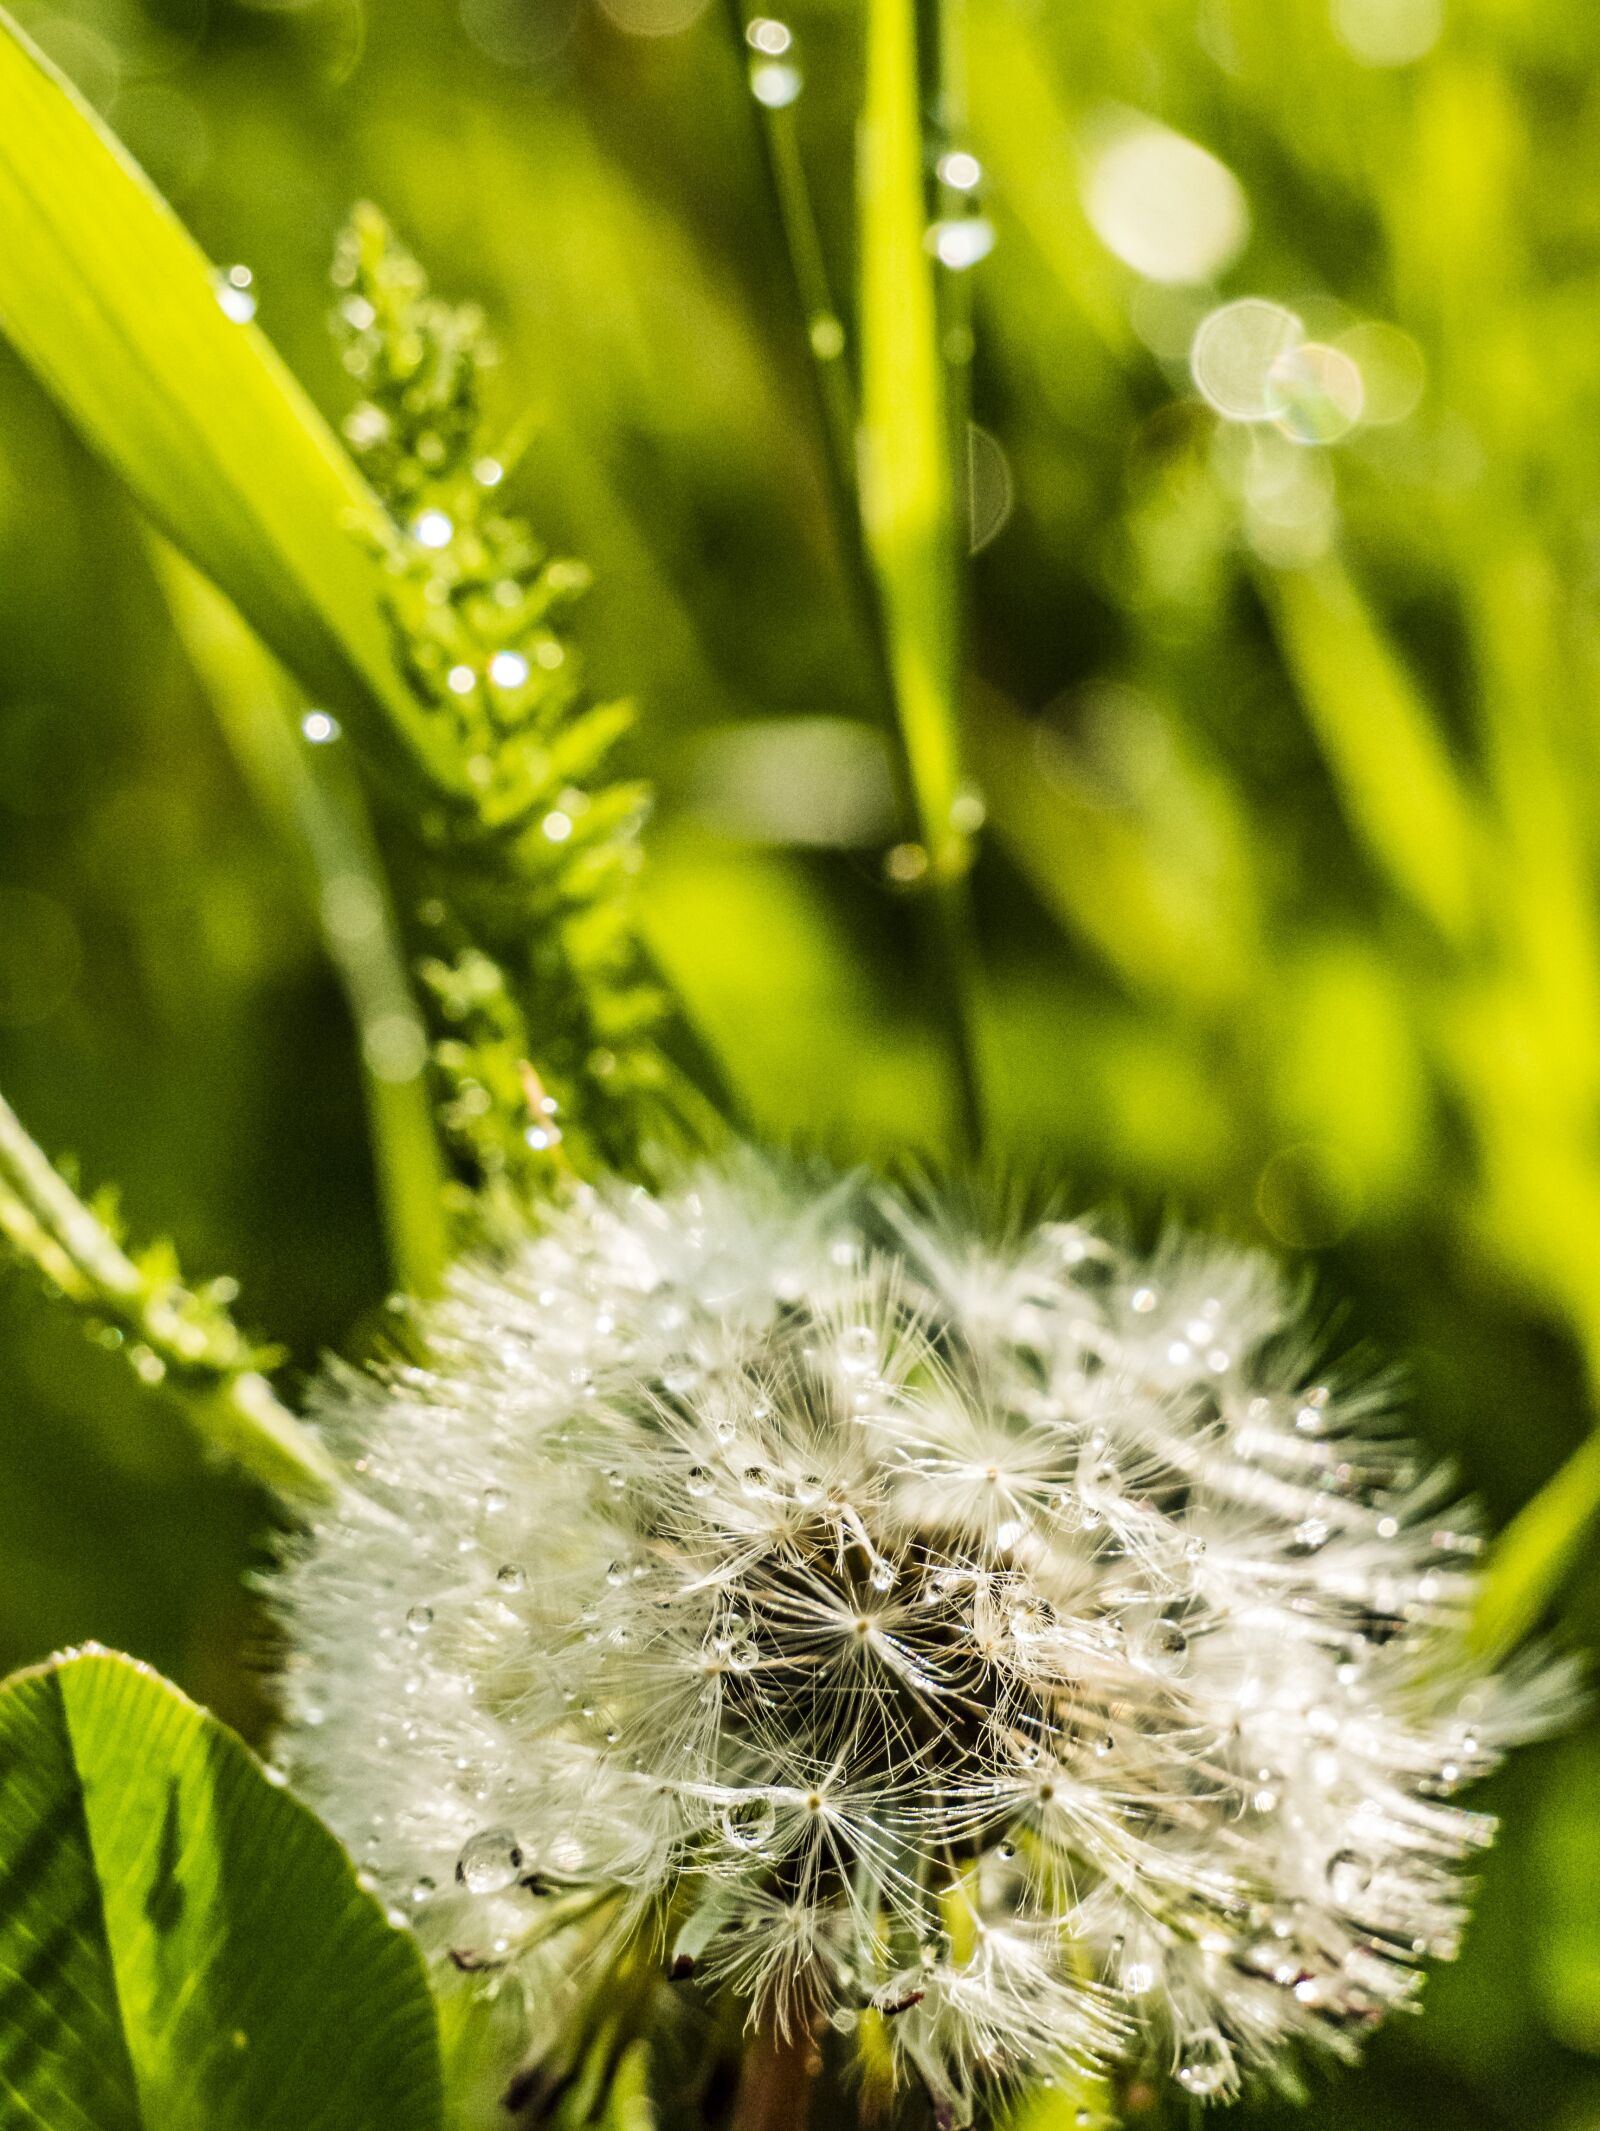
[(908, 505), (779, 144), (204, 1364), (312, 797), (775, 2082), (893, 486)]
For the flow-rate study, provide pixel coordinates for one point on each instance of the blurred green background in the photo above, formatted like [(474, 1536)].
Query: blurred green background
[(1286, 727)]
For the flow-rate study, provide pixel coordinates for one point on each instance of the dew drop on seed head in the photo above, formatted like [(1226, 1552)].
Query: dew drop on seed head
[(697, 1481), (882, 1577), (1165, 1646), (511, 1578), (489, 1861), (420, 1891), (1349, 1877), (495, 1500), (1207, 2066), (748, 1822), (858, 1350), (420, 1619)]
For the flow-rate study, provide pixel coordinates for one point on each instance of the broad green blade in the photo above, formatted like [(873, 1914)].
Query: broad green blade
[(184, 1947), (1400, 789), (114, 308)]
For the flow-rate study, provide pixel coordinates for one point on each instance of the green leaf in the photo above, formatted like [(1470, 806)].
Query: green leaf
[(184, 1947), (114, 308)]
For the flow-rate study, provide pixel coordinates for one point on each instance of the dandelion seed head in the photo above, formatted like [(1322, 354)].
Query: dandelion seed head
[(1006, 1638)]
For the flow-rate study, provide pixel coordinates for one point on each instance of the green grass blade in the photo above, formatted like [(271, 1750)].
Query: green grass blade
[(113, 307), (183, 1946), (1532, 1557), (1399, 786), (313, 798), (908, 508)]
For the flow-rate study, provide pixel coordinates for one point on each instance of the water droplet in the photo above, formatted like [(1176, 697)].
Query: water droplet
[(495, 1500), (420, 1619), (1207, 2066), (748, 1822), (883, 1575), (827, 337), (1164, 205), (905, 864), (1311, 1535), (960, 241), (1233, 354), (1349, 1877), (420, 1891), (1314, 393), (236, 293), (1165, 1646), (844, 2019), (508, 669), (755, 1482), (936, 1946), (697, 1481), (432, 529), (776, 83), (960, 170), (489, 1861), (511, 1578), (858, 1350), (1143, 1300)]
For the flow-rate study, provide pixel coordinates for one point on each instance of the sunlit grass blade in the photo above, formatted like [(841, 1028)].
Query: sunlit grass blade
[(908, 505), (312, 797), (113, 307), (1400, 790), (1534, 1555)]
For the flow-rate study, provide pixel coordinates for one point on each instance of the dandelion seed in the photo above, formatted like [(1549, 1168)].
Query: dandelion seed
[(857, 1556)]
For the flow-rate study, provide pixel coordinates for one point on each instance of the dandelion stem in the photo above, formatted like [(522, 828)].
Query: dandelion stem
[(188, 1343), (775, 2081)]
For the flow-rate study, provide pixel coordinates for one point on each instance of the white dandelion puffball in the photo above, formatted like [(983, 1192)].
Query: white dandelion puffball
[(997, 1648)]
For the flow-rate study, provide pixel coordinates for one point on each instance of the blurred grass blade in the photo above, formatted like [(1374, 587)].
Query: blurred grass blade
[(908, 508), (312, 797), (1400, 790), (113, 307), (1533, 1556), (179, 1338), (183, 1946)]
